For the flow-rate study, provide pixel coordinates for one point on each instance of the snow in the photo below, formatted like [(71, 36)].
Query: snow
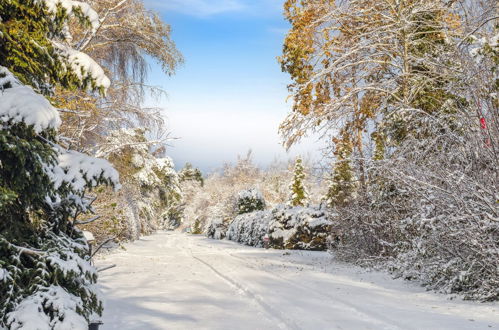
[(88, 236), (249, 228), (70, 7), (178, 281), (27, 315), (250, 194), (68, 262), (21, 104), (151, 166), (288, 221), (3, 274), (83, 65), (81, 171)]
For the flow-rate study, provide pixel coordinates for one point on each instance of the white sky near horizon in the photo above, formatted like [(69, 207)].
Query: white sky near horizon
[(230, 95)]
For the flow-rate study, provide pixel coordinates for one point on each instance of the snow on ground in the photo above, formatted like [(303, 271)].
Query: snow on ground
[(179, 281)]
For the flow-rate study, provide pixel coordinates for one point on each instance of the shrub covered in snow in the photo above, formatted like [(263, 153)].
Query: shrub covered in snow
[(297, 228), (250, 228), (216, 229), (249, 201), (300, 228)]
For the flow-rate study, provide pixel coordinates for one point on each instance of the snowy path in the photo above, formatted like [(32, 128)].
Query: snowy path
[(177, 281)]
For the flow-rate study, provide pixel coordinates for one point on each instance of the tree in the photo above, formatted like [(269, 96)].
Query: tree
[(357, 64), (151, 184), (413, 82), (299, 193), (188, 173), (342, 182), (46, 280), (125, 36), (196, 228), (248, 201)]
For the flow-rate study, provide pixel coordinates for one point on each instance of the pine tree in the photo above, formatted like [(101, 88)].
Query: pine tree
[(247, 201), (189, 173), (196, 228), (299, 193), (46, 280), (342, 185)]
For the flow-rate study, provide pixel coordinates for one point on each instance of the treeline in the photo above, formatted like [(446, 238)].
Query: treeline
[(72, 84), (405, 91), (215, 199)]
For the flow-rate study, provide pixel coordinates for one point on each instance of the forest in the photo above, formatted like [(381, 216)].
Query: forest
[(403, 94)]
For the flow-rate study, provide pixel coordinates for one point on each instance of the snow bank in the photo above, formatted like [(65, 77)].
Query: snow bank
[(21, 104)]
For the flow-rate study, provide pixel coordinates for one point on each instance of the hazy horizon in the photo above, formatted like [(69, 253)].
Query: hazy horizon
[(230, 95)]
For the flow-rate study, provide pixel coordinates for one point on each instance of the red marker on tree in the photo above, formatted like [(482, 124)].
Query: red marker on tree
[(483, 123)]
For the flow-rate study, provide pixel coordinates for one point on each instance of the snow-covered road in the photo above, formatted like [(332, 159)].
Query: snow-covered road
[(177, 281)]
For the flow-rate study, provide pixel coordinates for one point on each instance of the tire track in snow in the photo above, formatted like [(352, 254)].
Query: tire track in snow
[(283, 322), (367, 313)]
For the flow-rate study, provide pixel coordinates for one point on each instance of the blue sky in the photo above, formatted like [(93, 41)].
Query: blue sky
[(230, 95)]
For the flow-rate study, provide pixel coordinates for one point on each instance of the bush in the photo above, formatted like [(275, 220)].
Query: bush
[(299, 228), (216, 229), (250, 228), (296, 228), (433, 219), (249, 201)]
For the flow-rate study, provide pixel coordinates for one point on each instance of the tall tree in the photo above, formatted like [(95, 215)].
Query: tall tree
[(126, 35), (342, 183), (367, 66), (299, 193), (46, 280)]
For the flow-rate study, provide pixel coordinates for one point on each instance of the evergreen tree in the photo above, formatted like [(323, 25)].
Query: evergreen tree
[(46, 280), (196, 228), (299, 193), (342, 185), (248, 201), (189, 173)]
